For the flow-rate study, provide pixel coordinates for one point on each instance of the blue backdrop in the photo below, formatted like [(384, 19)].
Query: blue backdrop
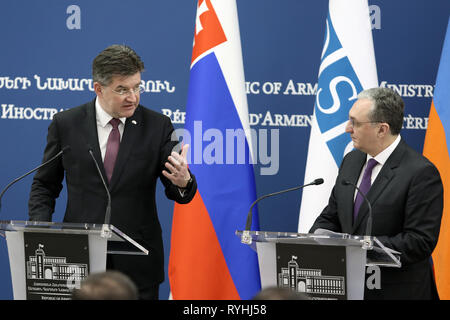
[(47, 48)]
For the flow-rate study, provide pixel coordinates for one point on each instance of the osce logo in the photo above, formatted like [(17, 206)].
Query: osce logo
[(335, 95)]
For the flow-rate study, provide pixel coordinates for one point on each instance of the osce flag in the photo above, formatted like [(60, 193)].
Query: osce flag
[(436, 149), (347, 67), (207, 260)]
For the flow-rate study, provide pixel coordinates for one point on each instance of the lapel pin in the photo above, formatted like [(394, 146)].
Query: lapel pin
[(133, 122)]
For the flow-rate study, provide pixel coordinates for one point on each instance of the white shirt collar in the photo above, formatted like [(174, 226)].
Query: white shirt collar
[(382, 157), (103, 117)]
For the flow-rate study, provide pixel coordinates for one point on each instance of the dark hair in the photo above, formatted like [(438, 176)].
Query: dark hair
[(108, 285), (387, 107), (115, 60)]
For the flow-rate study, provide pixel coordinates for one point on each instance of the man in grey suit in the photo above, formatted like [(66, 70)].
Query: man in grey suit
[(133, 146), (404, 189)]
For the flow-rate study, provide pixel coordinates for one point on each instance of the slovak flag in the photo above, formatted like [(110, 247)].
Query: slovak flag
[(347, 67), (207, 260)]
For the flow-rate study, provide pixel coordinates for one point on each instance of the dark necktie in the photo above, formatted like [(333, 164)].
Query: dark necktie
[(364, 186), (112, 148)]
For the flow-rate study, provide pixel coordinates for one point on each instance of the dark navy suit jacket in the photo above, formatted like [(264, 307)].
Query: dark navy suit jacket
[(407, 203), (146, 143)]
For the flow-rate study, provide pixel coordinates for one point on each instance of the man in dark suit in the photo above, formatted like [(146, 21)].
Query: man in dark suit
[(405, 191), (133, 146)]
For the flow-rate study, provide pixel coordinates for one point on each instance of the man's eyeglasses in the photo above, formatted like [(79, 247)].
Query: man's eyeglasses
[(357, 124), (126, 91)]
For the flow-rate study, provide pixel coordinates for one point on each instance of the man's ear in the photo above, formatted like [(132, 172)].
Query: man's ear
[(98, 88), (384, 129)]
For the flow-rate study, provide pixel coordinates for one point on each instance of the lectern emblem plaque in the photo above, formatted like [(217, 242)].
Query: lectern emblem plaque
[(54, 264), (318, 271)]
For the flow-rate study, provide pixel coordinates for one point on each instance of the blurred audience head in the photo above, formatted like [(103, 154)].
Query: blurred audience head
[(108, 285), (275, 293)]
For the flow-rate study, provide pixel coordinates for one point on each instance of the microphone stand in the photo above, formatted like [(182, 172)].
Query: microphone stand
[(246, 238), (106, 230), (31, 171), (367, 241)]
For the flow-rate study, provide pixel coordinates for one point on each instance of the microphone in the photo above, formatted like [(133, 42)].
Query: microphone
[(66, 148), (245, 236), (369, 218), (108, 206)]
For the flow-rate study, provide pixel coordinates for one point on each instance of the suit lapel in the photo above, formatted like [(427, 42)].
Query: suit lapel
[(383, 179), (90, 133), (130, 134)]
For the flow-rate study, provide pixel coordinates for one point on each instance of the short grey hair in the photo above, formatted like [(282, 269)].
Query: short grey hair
[(115, 60), (387, 106)]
